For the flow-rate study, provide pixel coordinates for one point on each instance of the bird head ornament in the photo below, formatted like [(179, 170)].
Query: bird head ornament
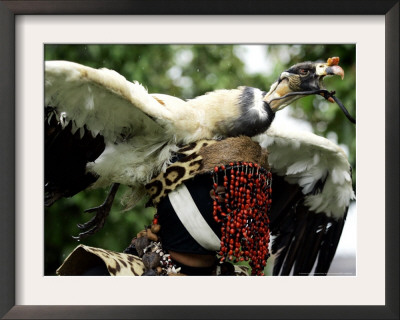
[(304, 79)]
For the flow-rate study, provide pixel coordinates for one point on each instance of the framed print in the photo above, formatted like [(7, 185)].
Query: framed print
[(191, 70), (31, 28)]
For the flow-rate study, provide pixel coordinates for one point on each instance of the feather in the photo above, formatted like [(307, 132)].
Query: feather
[(301, 237), (306, 159), (306, 225), (141, 130), (102, 129), (101, 102)]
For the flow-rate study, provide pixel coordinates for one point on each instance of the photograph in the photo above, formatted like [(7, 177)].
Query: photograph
[(242, 151), (200, 159)]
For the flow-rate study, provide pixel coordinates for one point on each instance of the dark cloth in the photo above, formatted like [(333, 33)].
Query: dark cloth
[(98, 270), (174, 235), (195, 271)]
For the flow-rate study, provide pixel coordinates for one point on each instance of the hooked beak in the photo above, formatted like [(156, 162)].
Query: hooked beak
[(330, 68), (335, 70), (300, 80)]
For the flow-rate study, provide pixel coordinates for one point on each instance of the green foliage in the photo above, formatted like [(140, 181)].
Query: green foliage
[(187, 71)]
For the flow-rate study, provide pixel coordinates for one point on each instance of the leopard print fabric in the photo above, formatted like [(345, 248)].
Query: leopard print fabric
[(190, 163), (201, 157), (84, 257), (118, 264)]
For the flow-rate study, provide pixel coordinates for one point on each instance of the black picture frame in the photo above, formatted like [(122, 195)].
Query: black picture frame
[(8, 11)]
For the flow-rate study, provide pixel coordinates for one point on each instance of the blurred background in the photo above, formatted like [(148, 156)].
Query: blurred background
[(186, 71)]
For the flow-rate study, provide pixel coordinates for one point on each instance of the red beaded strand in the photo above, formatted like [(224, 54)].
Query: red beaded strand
[(155, 219), (242, 209)]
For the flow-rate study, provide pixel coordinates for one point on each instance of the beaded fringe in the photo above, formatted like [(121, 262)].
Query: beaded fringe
[(241, 205)]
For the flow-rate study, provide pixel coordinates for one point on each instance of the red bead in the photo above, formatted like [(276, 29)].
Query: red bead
[(248, 199)]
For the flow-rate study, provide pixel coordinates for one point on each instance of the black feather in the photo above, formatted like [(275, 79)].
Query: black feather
[(301, 237), (329, 245), (249, 123), (66, 156), (296, 242), (311, 244)]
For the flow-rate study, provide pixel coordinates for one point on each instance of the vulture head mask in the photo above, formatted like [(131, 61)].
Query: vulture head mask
[(302, 79)]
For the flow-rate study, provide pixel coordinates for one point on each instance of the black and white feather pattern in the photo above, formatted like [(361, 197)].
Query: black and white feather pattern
[(141, 130), (312, 190), (125, 135), (104, 103)]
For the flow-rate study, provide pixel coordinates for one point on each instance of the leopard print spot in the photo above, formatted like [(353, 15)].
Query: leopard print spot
[(154, 188), (117, 266), (189, 147), (123, 263), (196, 166), (173, 174), (112, 270), (133, 271), (189, 158)]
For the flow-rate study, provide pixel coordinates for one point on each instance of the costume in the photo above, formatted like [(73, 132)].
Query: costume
[(212, 200), (215, 199)]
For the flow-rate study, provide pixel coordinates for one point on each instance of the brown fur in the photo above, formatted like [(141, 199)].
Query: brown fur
[(232, 150)]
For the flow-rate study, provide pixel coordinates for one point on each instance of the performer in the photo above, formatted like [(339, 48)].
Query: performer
[(212, 211)]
